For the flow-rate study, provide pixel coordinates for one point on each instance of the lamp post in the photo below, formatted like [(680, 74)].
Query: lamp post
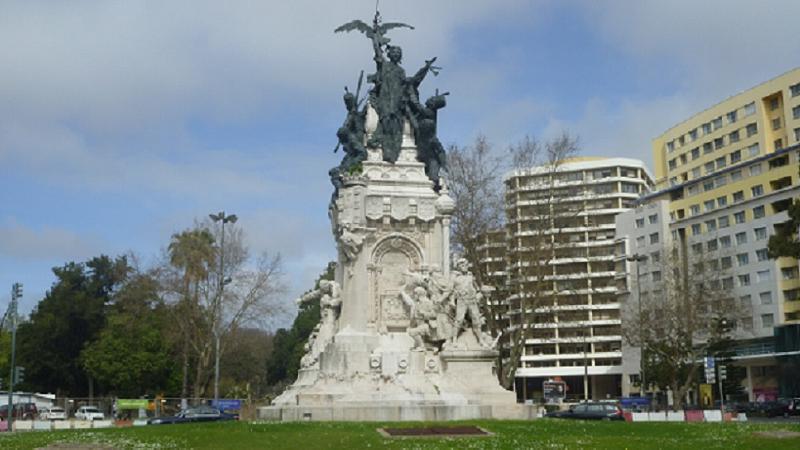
[(640, 259), (221, 217), (16, 294)]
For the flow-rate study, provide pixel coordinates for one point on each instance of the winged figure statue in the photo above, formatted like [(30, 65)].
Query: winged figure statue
[(376, 32)]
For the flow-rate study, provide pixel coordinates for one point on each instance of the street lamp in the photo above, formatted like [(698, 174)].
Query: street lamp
[(221, 217), (640, 259)]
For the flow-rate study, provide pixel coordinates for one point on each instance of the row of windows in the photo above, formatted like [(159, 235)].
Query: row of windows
[(733, 157), (709, 127), (724, 221), (760, 234), (652, 218), (710, 146)]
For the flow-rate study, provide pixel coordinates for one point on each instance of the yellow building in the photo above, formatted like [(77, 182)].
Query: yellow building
[(728, 174)]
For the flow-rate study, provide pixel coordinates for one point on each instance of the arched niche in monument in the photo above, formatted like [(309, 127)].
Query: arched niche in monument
[(393, 256)]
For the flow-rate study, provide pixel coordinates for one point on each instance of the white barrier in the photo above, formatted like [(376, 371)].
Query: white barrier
[(62, 425), (42, 425), (102, 424), (640, 417), (23, 425), (712, 415), (139, 422), (80, 424), (741, 417), (675, 416)]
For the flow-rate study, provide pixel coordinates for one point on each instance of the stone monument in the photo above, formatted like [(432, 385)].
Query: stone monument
[(400, 335)]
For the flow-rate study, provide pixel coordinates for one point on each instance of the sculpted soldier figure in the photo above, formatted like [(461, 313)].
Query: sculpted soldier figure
[(467, 298), (330, 302), (423, 317)]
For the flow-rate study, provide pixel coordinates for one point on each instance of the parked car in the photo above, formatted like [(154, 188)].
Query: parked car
[(590, 411), (24, 411), (89, 413), (52, 413), (197, 414)]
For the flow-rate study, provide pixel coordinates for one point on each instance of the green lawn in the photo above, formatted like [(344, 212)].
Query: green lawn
[(545, 434)]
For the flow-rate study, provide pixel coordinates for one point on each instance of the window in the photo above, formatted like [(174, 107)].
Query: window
[(696, 229), (733, 137), (708, 185), (750, 109), (744, 280), (673, 181), (795, 89), (721, 180), (656, 276), (672, 164), (751, 129), (655, 257), (725, 241), (712, 245), (654, 238), (761, 233), (711, 225), (774, 104), (742, 259), (738, 196), (766, 298), (693, 134), (789, 273), (726, 262), (741, 238), (708, 205), (695, 153), (696, 171), (670, 146), (767, 320), (709, 166), (797, 134), (706, 128), (753, 150), (736, 175), (763, 275), (745, 301), (736, 156), (722, 201), (738, 217), (762, 254), (719, 143), (796, 112), (755, 169), (727, 283), (694, 210), (758, 212), (708, 147), (724, 222), (640, 241), (757, 190), (778, 144), (691, 190), (653, 218), (640, 223), (697, 248), (776, 123), (717, 123), (721, 162)]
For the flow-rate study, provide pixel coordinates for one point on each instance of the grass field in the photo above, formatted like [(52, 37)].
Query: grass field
[(544, 434)]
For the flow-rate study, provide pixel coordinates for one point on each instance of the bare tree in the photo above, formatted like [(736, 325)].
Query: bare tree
[(192, 282), (687, 308), (475, 179)]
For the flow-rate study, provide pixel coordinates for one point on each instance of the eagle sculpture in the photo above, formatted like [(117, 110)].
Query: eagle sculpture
[(375, 32)]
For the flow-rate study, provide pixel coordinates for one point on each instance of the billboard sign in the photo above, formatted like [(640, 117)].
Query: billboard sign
[(132, 403), (554, 390), (225, 404)]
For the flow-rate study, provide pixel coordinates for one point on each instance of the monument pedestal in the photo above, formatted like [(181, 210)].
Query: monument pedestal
[(392, 231)]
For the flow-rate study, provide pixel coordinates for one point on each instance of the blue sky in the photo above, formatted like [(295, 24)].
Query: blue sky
[(124, 122)]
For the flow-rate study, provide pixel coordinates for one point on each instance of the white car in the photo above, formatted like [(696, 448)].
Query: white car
[(54, 413), (89, 413)]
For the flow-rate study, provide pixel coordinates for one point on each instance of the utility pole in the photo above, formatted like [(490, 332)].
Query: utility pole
[(16, 293), (231, 218)]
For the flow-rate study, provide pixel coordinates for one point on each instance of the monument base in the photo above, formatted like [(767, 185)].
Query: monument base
[(349, 412)]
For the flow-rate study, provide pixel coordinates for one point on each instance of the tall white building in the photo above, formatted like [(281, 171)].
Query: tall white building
[(561, 272)]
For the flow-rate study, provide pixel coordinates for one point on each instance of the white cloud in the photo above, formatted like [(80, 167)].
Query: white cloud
[(22, 243)]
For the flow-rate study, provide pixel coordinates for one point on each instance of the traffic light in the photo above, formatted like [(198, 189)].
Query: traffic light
[(16, 290), (723, 373), (19, 374)]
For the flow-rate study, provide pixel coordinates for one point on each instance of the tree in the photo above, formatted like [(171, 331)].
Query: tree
[(785, 241), (131, 356), (243, 373), (193, 283), (475, 180), (69, 317), (677, 321)]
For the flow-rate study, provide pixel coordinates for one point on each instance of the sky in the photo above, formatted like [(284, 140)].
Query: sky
[(122, 123)]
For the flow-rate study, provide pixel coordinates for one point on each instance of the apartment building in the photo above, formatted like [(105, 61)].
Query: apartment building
[(561, 272), (725, 178)]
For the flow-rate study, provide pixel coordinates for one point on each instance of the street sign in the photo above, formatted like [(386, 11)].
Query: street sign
[(708, 362), (227, 404)]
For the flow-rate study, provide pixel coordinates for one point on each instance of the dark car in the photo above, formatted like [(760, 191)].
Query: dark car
[(590, 411), (198, 414), (25, 411)]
